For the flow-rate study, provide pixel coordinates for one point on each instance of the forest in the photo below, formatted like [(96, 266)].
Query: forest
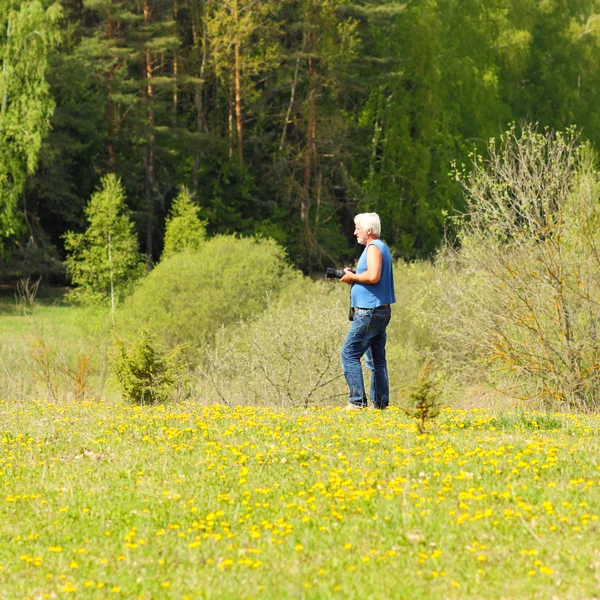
[(283, 118), (175, 176)]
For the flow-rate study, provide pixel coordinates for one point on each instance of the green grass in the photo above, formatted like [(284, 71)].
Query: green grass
[(51, 314), (54, 333), (106, 501)]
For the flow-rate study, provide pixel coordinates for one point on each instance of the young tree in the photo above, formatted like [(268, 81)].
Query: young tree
[(184, 229), (28, 33), (104, 261)]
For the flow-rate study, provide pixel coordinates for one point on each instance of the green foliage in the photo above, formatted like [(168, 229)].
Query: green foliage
[(247, 28), (335, 106), (146, 373), (521, 292), (289, 355), (184, 230), (104, 262), (190, 295), (71, 157), (423, 403), (33, 259), (28, 34)]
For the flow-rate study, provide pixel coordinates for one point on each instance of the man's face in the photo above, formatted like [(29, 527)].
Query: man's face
[(361, 233)]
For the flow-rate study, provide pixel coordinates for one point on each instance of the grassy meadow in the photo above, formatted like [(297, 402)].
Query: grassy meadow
[(252, 483), (106, 500)]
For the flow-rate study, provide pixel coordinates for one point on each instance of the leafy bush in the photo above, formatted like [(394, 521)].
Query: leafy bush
[(412, 337), (146, 373), (290, 354), (39, 260), (192, 294), (423, 402)]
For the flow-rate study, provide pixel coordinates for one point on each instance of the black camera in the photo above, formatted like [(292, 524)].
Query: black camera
[(334, 273)]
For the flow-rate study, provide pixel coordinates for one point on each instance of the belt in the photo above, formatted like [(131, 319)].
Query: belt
[(382, 306)]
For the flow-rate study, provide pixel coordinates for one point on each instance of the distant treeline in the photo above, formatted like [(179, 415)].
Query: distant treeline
[(282, 117)]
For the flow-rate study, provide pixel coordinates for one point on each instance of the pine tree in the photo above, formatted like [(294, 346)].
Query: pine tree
[(147, 373), (106, 46), (315, 147), (104, 261), (243, 37)]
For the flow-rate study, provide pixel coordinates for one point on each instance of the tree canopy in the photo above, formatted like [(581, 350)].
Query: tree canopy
[(282, 118), (28, 33)]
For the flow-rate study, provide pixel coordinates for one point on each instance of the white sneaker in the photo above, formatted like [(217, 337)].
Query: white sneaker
[(351, 407)]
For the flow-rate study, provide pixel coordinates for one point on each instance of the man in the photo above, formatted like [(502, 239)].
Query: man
[(371, 295)]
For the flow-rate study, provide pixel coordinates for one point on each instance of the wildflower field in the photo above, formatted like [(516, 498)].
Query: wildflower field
[(106, 500)]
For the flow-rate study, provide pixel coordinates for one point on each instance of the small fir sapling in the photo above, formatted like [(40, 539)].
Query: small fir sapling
[(423, 402), (147, 374)]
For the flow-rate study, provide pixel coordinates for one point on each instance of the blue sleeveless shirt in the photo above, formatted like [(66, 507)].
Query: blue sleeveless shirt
[(373, 295)]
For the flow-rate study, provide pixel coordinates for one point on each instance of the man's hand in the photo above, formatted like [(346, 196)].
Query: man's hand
[(349, 276)]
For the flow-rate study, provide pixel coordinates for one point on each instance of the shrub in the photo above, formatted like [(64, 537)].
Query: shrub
[(288, 356), (423, 402), (146, 373), (521, 292), (33, 260), (192, 294), (412, 336)]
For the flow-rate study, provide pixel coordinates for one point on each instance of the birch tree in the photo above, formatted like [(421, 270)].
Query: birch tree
[(104, 261), (28, 34)]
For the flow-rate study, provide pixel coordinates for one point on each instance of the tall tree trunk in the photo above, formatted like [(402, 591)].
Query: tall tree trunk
[(175, 91), (110, 107), (199, 88), (230, 120), (377, 131), (149, 183), (175, 62), (312, 122), (238, 93), (292, 97)]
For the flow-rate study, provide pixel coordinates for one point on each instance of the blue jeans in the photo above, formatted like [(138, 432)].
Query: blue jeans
[(367, 335)]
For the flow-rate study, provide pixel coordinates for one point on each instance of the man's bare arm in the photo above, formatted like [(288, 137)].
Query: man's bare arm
[(372, 274)]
